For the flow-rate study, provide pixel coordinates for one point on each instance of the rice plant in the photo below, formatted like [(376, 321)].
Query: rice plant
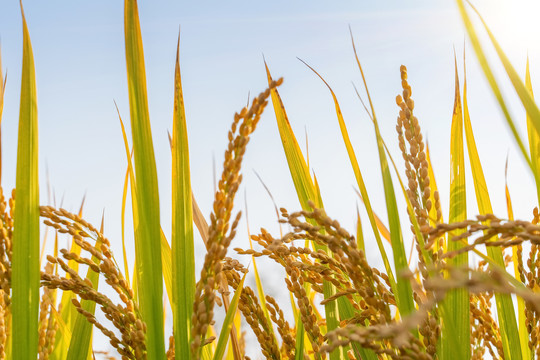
[(452, 300)]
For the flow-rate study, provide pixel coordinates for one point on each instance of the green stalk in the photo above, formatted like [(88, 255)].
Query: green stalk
[(147, 233), (455, 307), (25, 261), (182, 225), (505, 309)]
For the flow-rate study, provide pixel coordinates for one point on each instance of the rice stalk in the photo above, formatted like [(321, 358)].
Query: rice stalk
[(25, 260), (221, 231)]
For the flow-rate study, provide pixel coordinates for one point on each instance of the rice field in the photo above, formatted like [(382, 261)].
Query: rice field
[(451, 282)]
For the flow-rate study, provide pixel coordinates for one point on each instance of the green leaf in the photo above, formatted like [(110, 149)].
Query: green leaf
[(300, 331), (25, 261), (455, 307), (147, 233), (505, 309), (183, 261), (297, 164)]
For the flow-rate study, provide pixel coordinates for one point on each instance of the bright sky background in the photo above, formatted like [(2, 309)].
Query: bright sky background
[(80, 68)]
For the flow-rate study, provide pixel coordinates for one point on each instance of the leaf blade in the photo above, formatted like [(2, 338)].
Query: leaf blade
[(147, 234), (505, 309), (25, 261), (183, 253), (455, 307)]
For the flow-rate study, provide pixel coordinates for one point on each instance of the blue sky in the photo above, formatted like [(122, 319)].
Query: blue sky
[(80, 67)]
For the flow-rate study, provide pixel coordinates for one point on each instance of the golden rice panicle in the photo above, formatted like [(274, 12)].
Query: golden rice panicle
[(288, 346), (369, 283), (242, 344), (6, 234), (3, 327), (413, 151), (507, 233), (251, 310), (394, 339), (124, 316), (485, 334), (531, 277), (221, 232), (295, 285), (47, 323), (414, 155), (430, 329)]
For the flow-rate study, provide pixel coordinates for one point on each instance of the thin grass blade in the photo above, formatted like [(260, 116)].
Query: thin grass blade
[(123, 224), (383, 230), (505, 309), (166, 261), (358, 176), (25, 261), (133, 187)]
